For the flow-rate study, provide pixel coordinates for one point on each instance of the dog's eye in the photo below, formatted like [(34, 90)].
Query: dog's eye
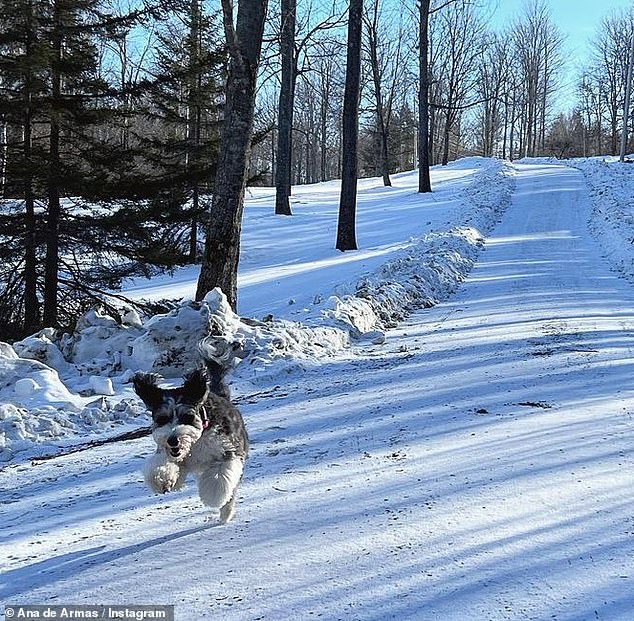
[(187, 419), (162, 419)]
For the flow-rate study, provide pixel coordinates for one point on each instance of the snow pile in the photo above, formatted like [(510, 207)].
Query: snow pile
[(102, 354), (430, 268), (612, 223), (99, 343), (36, 407), (28, 383), (263, 343), (49, 427), (427, 272)]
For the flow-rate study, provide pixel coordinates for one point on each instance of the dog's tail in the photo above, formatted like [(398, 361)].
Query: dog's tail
[(218, 358)]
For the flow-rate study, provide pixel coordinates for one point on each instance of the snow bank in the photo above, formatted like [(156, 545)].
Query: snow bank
[(36, 407), (611, 186), (43, 429), (60, 376)]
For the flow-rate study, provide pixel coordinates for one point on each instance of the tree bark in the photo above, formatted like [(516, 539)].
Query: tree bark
[(346, 226), (31, 303), (222, 243), (285, 109), (381, 123), (194, 118), (3, 157), (51, 266), (424, 178), (446, 137)]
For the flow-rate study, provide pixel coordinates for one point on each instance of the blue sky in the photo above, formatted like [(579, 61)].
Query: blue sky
[(579, 20)]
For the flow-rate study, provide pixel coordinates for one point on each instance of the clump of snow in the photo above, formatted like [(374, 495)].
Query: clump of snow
[(25, 387), (44, 428), (101, 385), (132, 319), (20, 428), (168, 343), (41, 347), (99, 344), (263, 343), (40, 385), (7, 351)]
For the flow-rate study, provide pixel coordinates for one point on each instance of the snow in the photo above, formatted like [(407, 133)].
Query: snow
[(406, 268), (454, 453), (611, 187)]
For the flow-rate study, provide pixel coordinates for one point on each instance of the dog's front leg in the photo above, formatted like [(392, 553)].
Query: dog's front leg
[(162, 475)]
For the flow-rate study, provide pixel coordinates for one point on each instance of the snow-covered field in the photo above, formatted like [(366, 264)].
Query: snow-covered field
[(472, 462)]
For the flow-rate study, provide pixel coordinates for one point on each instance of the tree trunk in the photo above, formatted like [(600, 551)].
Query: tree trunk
[(384, 161), (51, 267), (3, 159), (193, 233), (506, 122), (31, 303), (323, 138), (446, 138), (512, 131), (222, 243), (194, 117), (346, 226), (285, 109), (424, 178)]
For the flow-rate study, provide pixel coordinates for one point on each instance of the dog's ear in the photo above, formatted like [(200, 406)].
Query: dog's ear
[(195, 386), (146, 386)]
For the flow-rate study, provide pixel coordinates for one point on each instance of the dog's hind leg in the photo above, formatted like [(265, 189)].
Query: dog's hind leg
[(227, 511), (217, 485)]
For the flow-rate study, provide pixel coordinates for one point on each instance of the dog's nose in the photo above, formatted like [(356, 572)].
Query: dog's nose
[(172, 441)]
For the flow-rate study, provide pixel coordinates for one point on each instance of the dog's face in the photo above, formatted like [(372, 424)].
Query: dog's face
[(177, 413)]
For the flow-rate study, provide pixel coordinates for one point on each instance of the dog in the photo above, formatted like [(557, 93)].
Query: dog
[(197, 430)]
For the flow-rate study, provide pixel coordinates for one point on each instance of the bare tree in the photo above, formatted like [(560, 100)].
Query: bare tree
[(327, 75), (592, 106), (424, 177), (384, 49), (224, 225), (461, 43), (296, 40), (538, 43), (285, 114), (346, 226), (493, 76), (127, 50), (610, 56)]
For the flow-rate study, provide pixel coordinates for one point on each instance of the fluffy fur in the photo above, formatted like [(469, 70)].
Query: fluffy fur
[(197, 430)]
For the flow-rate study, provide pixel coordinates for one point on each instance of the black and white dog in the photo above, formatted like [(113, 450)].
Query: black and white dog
[(196, 429)]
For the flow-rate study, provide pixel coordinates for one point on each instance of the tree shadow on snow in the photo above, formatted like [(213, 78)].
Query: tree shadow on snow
[(66, 566)]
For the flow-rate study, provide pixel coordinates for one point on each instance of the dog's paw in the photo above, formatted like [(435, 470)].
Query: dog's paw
[(162, 476), (228, 511)]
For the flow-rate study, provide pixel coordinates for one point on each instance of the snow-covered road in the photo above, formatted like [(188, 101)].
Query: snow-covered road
[(478, 466)]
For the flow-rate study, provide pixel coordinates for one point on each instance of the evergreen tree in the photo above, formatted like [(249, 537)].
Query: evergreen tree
[(185, 104), (22, 84), (54, 256)]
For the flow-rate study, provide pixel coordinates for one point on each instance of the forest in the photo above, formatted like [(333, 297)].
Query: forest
[(129, 129)]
